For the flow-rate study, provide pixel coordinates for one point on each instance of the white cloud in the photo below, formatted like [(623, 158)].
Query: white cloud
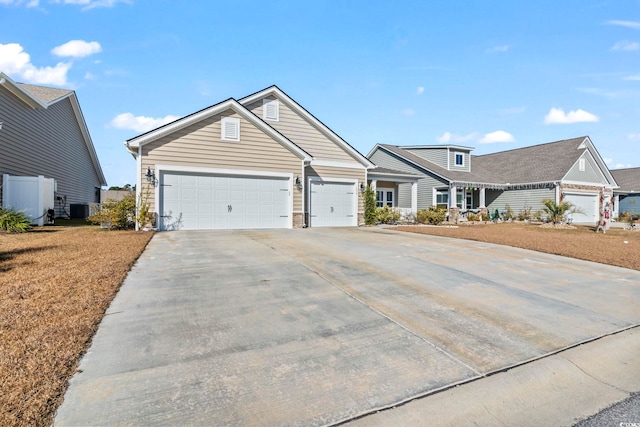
[(17, 64), (449, 137), (633, 77), (629, 24), (420, 90), (408, 112), (140, 123), (626, 45), (28, 3), (497, 136), (634, 136), (92, 4), (558, 116), (77, 49), (621, 165), (497, 49), (608, 160)]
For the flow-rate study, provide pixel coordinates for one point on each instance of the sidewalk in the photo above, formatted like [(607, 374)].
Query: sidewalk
[(556, 391)]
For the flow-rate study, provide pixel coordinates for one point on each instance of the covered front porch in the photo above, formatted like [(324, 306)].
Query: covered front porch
[(396, 189)]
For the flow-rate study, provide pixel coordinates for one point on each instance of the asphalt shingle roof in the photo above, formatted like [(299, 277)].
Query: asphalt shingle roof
[(539, 163), (627, 179), (45, 94)]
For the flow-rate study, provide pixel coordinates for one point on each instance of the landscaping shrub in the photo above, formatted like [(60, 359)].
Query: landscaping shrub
[(14, 221), (116, 215), (556, 211), (474, 216), (509, 214), (433, 215), (387, 215), (525, 214), (369, 196)]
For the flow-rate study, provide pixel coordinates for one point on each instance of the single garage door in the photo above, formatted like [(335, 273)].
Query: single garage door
[(588, 205), (332, 204), (201, 201)]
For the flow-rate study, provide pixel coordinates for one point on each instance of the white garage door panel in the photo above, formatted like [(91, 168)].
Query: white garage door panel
[(588, 206), (332, 204), (192, 202)]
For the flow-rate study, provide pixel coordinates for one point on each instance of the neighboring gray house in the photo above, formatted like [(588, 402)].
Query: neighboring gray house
[(569, 170), (43, 133), (627, 197)]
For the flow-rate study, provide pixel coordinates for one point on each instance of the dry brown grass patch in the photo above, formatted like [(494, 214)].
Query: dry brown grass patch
[(55, 285), (582, 243)]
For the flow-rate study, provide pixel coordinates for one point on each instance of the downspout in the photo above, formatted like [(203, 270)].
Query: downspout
[(138, 180), (304, 198)]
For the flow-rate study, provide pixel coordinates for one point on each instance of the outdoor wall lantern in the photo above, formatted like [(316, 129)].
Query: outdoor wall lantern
[(362, 187), (298, 183), (151, 177)]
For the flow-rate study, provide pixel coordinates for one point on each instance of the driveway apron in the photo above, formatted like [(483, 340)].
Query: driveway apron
[(317, 326)]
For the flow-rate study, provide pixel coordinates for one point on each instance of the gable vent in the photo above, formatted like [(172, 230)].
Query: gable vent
[(230, 129), (270, 109)]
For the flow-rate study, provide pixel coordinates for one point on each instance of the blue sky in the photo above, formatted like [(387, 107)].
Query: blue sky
[(494, 75)]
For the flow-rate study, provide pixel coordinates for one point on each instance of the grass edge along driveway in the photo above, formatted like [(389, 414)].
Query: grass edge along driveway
[(55, 285)]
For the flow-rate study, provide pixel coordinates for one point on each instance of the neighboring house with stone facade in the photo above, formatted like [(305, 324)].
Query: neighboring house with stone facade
[(627, 196), (450, 176), (262, 161)]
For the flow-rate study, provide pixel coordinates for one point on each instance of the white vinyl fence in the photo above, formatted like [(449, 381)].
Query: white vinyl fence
[(31, 194)]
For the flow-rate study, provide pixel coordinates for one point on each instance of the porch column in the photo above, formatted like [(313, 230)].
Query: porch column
[(414, 197), (482, 198), (373, 184), (616, 203), (452, 196)]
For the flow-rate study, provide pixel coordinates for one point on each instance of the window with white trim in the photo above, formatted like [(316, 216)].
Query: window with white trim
[(459, 157), (271, 109), (230, 129), (442, 198), (384, 197), (581, 164)]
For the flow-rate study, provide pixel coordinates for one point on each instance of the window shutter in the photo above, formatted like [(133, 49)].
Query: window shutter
[(230, 129), (271, 109)]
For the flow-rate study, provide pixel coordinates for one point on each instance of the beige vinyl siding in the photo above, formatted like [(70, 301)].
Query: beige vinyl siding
[(303, 134), (47, 142), (200, 145), (327, 173)]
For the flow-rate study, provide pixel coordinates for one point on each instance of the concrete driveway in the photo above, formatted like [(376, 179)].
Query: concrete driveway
[(318, 326)]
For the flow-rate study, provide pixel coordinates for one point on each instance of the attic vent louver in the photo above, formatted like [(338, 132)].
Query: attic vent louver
[(270, 109), (230, 129)]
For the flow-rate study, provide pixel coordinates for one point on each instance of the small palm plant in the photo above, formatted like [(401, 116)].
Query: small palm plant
[(557, 211), (14, 221)]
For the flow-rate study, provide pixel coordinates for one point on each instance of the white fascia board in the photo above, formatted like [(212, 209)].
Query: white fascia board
[(436, 146), (601, 173), (336, 164), (218, 171), (274, 90), (211, 111), (75, 105), (373, 150), (20, 93)]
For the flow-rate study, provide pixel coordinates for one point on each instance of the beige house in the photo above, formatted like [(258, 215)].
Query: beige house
[(44, 140), (262, 161)]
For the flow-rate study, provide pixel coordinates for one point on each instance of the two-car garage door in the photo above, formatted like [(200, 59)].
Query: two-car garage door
[(190, 201)]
